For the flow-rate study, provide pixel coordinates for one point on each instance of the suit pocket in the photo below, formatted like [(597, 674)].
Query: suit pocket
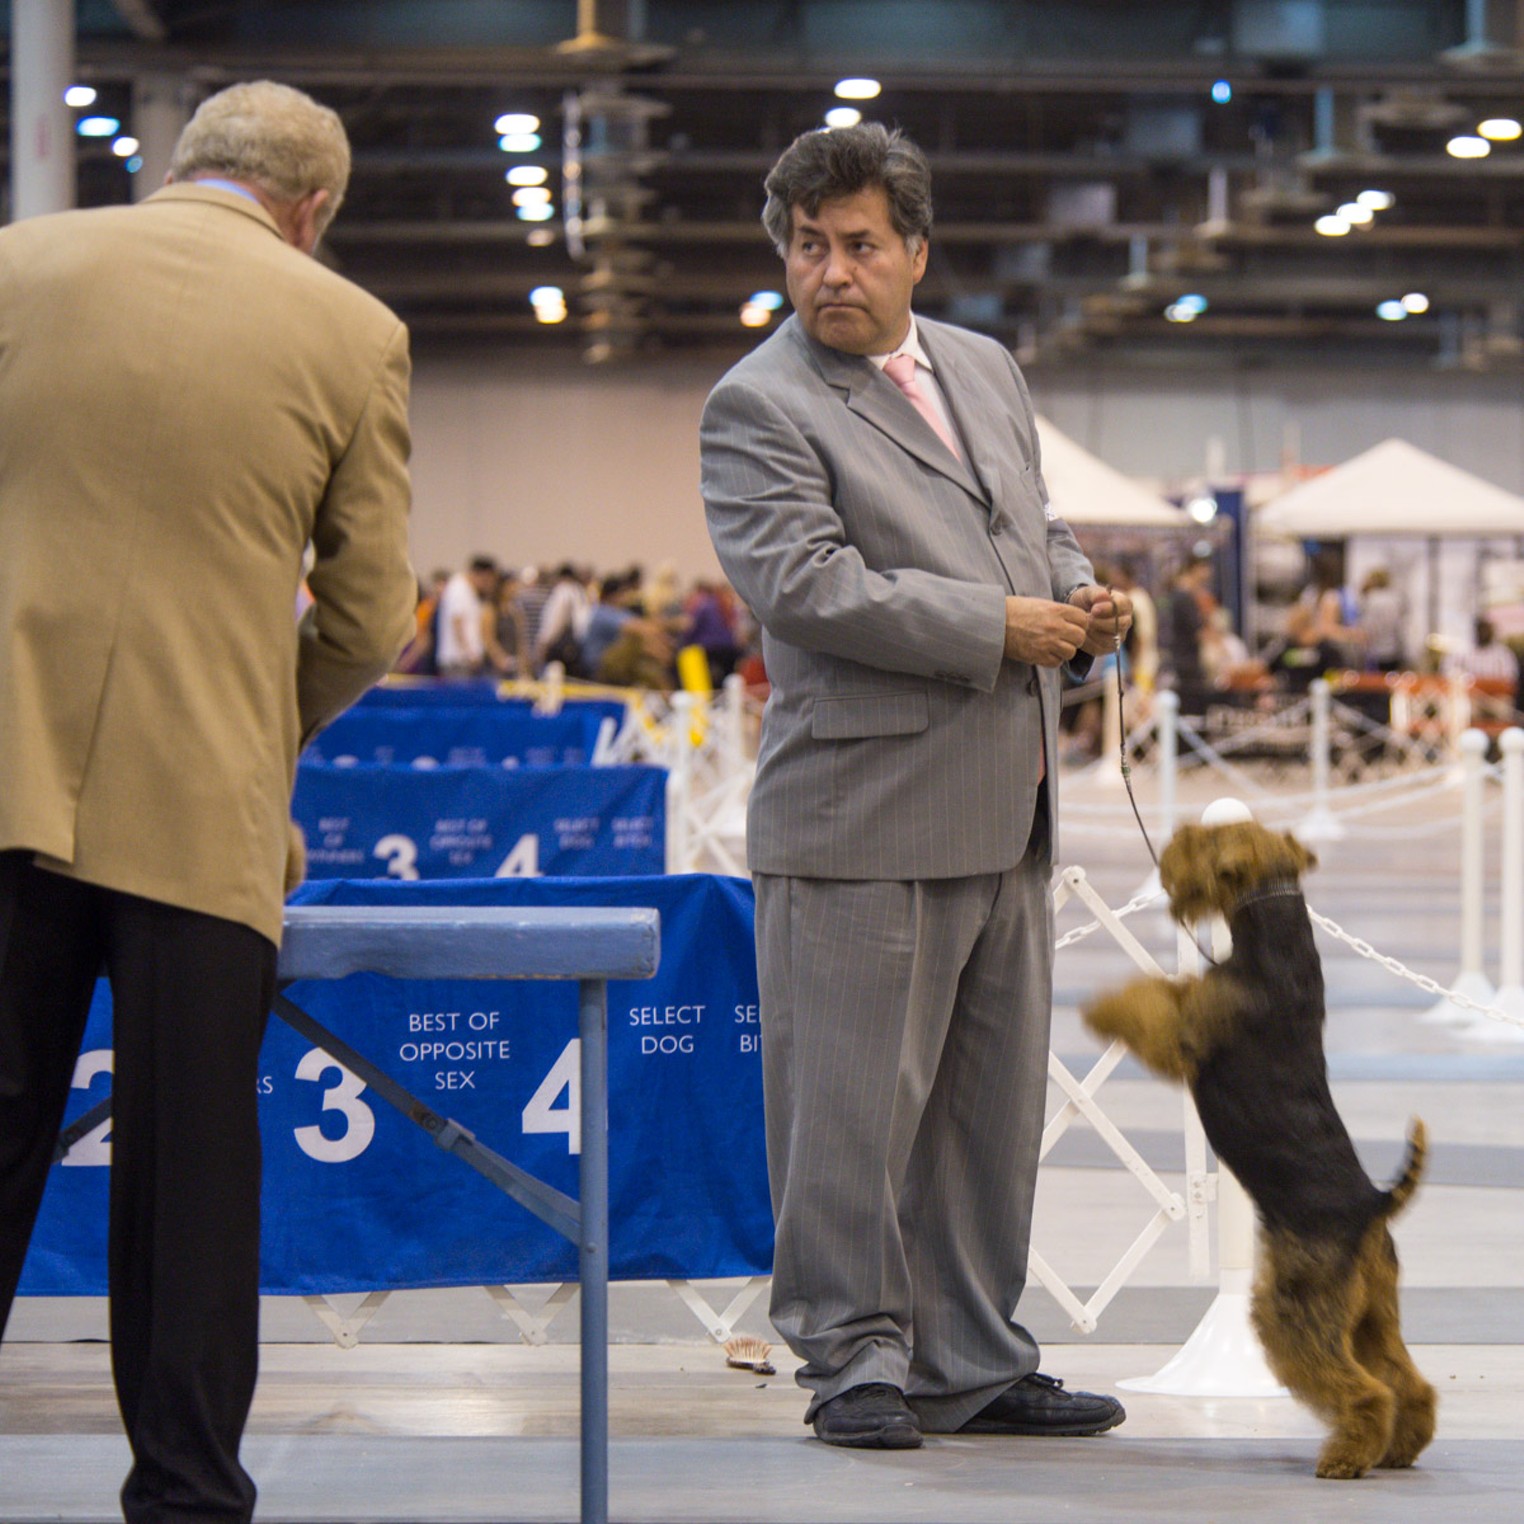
[(869, 714)]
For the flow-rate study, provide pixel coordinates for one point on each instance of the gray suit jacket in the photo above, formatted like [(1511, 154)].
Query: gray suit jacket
[(898, 742)]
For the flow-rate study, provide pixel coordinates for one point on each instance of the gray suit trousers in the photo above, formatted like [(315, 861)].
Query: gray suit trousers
[(905, 1046)]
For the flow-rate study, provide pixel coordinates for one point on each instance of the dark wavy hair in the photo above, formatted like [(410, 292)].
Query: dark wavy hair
[(834, 162)]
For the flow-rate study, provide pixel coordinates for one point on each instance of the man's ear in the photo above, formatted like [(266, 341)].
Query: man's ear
[(305, 222)]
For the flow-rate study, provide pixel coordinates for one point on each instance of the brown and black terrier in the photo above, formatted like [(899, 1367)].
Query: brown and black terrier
[(1247, 1037)]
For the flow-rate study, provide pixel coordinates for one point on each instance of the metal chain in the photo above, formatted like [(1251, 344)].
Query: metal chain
[(1424, 983), (1137, 902), (1356, 944)]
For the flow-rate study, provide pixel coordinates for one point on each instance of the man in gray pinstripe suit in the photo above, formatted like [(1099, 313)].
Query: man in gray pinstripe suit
[(917, 599)]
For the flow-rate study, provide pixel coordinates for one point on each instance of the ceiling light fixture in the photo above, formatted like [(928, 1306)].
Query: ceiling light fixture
[(1177, 313), (519, 142), (1467, 147), (1500, 129), (1192, 301), (1391, 311), (857, 89), (769, 301), (843, 116), (1355, 214), (1377, 200), (753, 316), (527, 174), (1416, 303), (1331, 227), (97, 126), (517, 121), (1202, 509), (80, 95), (1222, 91), (537, 212), (125, 147), (540, 238), (532, 195)]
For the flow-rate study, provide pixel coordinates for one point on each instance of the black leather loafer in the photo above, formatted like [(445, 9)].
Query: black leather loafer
[(869, 1417), (1040, 1405)]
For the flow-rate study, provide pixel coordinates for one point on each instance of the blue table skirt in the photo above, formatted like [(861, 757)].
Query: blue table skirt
[(356, 1198)]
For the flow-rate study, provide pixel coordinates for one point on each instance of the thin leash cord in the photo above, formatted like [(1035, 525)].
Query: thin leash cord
[(1127, 776)]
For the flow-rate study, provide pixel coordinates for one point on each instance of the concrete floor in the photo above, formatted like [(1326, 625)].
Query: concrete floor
[(438, 1415)]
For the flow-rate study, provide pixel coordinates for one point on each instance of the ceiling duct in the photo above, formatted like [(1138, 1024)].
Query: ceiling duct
[(1493, 44), (1414, 110), (606, 150)]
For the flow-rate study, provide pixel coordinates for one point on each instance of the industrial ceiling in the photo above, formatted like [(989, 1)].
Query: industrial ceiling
[(1094, 161)]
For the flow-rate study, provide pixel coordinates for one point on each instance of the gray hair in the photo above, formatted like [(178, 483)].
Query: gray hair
[(271, 136), (830, 163)]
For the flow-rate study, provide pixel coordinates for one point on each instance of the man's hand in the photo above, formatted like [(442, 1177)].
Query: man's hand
[(1109, 614), (1042, 632)]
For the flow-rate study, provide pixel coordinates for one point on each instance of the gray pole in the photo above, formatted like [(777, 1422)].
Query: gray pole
[(594, 1249), (42, 126), (159, 113)]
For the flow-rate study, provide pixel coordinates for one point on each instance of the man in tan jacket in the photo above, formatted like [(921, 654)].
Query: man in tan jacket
[(187, 401)]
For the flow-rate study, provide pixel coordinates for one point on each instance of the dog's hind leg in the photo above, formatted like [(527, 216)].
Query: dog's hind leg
[(1380, 1348), (1304, 1308)]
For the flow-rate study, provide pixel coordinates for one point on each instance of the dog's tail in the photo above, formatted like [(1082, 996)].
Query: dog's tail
[(1406, 1183)]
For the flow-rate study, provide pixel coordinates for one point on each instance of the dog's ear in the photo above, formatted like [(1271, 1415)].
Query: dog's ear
[(1187, 871), (1300, 855)]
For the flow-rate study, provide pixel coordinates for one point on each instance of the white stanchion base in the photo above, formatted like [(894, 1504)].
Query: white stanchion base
[(1320, 824), (1510, 999), (1445, 1013), (1222, 1358)]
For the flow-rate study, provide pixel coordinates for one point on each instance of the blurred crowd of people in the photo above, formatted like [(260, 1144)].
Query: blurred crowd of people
[(618, 627), (1183, 639)]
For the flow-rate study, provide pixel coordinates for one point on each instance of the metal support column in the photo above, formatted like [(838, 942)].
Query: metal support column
[(594, 1247), (42, 126)]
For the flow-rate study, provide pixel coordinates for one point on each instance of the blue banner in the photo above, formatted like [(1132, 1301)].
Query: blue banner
[(476, 736), (357, 1198), (448, 693), (373, 820)]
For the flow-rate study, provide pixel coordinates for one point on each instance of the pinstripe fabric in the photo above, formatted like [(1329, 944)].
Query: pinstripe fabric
[(878, 566), (904, 1076), (904, 945)]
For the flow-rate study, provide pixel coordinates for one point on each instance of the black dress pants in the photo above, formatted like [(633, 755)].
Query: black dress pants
[(191, 996)]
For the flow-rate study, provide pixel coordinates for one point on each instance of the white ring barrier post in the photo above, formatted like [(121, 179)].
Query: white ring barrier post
[(1320, 823), (1222, 1358), (1109, 773), (1472, 981), (1167, 704), (733, 725), (1510, 994), (553, 692), (1167, 738), (680, 785)]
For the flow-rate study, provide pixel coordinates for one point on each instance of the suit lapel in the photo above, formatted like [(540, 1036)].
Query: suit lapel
[(985, 434), (871, 395)]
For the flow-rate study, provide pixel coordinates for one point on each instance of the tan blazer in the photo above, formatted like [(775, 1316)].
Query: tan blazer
[(185, 402), (898, 743)]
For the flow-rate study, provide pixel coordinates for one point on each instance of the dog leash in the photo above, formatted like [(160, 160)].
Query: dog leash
[(1132, 799)]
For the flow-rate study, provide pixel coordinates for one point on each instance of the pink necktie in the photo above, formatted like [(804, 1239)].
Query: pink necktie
[(900, 369)]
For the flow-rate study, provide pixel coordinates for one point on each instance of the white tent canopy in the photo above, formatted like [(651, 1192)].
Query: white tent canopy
[(1084, 490), (1393, 489)]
